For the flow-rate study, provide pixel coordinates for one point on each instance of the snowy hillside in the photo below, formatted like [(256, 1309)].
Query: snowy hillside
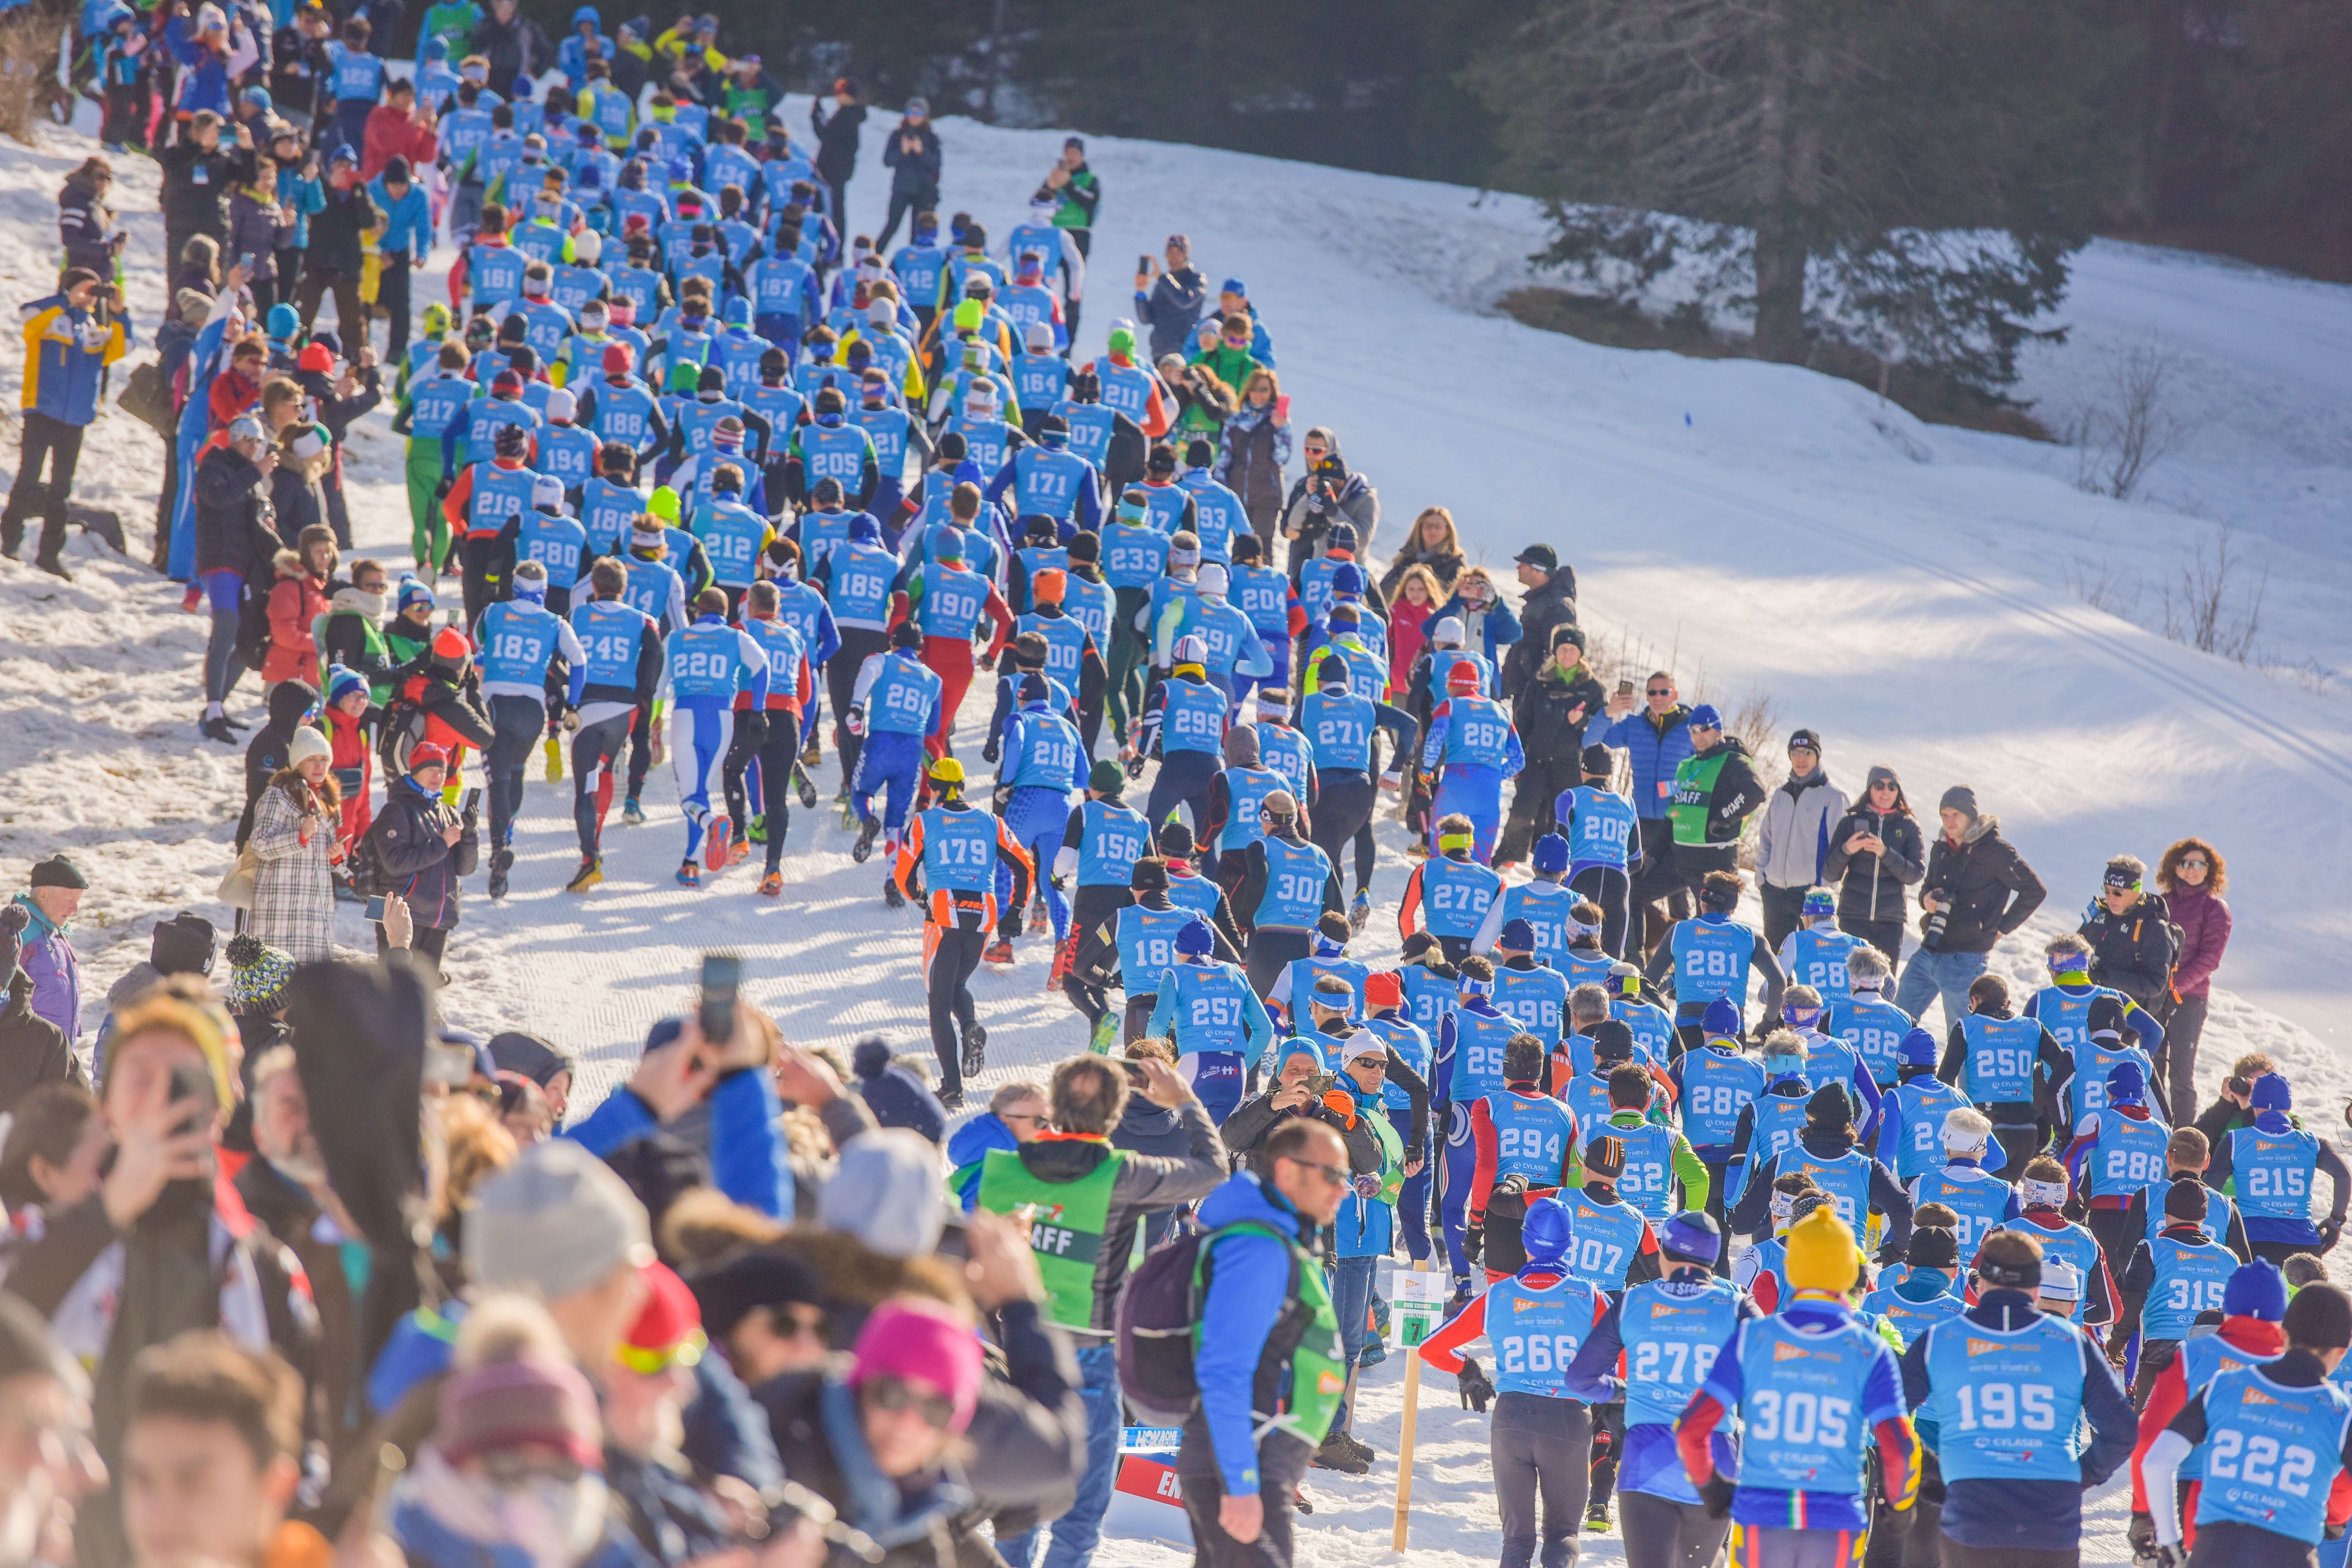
[(1768, 534)]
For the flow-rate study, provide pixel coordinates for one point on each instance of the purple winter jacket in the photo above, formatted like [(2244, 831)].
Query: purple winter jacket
[(49, 959), (2204, 922)]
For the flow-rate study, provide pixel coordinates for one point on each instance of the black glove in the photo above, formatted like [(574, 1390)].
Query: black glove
[(1476, 1389), (1474, 1241), (2175, 1555), (1009, 924), (751, 727), (2142, 1536), (989, 753), (1135, 766), (1714, 1493), (2330, 1233), (1895, 1523)]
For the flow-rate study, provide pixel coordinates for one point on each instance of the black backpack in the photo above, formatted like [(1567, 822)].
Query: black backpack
[(1161, 1308)]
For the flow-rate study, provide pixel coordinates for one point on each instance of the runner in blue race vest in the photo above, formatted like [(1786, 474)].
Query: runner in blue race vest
[(2170, 1281), (1815, 1389), (1538, 1319), (1134, 949), (1605, 844), (1203, 1004), (2273, 1165), (2001, 1394), (1450, 891), (1709, 956), (1666, 1334), (2274, 1437), (1827, 1151), (2009, 1067), (2115, 1152)]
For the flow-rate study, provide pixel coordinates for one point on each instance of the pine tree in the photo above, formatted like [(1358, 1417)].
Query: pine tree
[(1909, 174)]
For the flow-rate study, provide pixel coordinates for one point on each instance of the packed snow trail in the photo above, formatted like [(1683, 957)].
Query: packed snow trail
[(1759, 529)]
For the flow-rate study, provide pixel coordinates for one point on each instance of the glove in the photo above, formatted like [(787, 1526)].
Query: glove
[(571, 720), (1715, 1493), (1896, 1522), (1000, 798), (854, 721), (1340, 1103), (989, 753), (1366, 1184), (1474, 1240), (2142, 1536), (1010, 924), (1135, 766), (2175, 1555), (2330, 1234), (751, 727), (1512, 1186), (1476, 1389)]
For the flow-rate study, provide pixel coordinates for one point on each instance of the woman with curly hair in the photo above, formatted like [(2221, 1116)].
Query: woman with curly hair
[(1435, 545), (2192, 877)]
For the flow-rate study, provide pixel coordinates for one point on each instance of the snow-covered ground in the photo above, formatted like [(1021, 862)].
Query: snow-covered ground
[(1768, 534)]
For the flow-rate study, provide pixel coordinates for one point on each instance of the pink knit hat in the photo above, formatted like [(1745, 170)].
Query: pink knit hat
[(921, 1342)]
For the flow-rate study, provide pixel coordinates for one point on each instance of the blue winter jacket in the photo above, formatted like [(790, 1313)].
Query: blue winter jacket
[(66, 355), (411, 230), (1497, 626), (1655, 754), (970, 1147), (747, 1152), (1246, 1292)]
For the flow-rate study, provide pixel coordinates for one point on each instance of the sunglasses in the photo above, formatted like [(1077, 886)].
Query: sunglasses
[(1662, 690), (796, 1325), (1338, 1176), (937, 1410), (2196, 860)]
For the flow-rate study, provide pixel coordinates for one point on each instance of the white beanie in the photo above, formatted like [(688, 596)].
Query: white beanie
[(306, 743)]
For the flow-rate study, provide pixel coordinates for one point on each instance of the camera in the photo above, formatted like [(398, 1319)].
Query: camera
[(1931, 932)]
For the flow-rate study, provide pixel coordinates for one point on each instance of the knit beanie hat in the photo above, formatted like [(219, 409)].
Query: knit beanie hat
[(1551, 854), (1918, 1048), (257, 976), (1548, 1231), (888, 1195), (920, 1342), (1107, 776), (1721, 1020), (1822, 1253), (2256, 1289), (2185, 1200), (558, 1221), (508, 1404), (307, 744), (1934, 1247), (1692, 1235)]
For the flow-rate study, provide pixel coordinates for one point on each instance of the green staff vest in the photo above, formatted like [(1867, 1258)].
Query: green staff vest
[(1304, 1344), (1694, 796), (1066, 1231)]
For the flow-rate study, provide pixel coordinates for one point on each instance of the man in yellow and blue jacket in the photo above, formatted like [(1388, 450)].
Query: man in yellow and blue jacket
[(70, 339)]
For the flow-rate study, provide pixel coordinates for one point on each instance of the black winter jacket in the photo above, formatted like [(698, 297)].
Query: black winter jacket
[(234, 517), (417, 864), (1988, 889), (2133, 951), (1551, 713), (836, 140), (1870, 887), (196, 186), (336, 228), (1545, 611), (31, 1050), (914, 173)]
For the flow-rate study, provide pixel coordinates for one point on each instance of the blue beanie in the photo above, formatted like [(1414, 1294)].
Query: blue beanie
[(1919, 1049), (2257, 1290), (2126, 1084), (1347, 580), (1819, 902), (1704, 717), (1546, 1233), (341, 683), (1300, 1045), (282, 322), (1721, 1020), (1517, 935), (2271, 1094), (1551, 854), (1692, 1234), (1194, 939), (413, 593)]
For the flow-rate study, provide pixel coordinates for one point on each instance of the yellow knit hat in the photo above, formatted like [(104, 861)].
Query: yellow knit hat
[(1822, 1253)]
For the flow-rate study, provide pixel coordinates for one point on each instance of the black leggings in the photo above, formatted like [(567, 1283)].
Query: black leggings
[(1343, 811), (1608, 1449), (594, 749), (1540, 1448), (222, 666), (2225, 1543), (954, 953), (1183, 780), (519, 721), (1613, 890), (778, 754), (427, 942), (841, 685), (1090, 907), (1660, 1533)]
